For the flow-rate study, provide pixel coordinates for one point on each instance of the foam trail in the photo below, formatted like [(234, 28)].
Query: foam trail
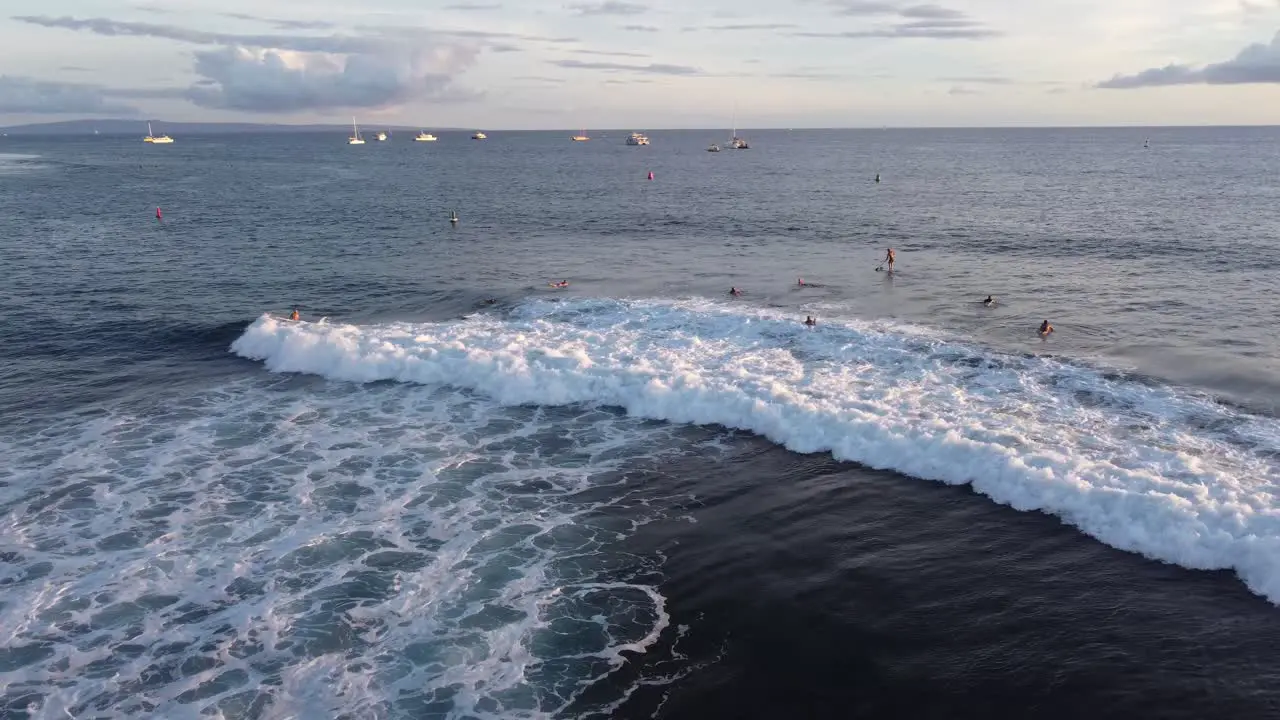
[(1141, 467), (258, 551)]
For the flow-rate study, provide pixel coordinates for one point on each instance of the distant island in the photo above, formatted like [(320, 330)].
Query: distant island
[(139, 128)]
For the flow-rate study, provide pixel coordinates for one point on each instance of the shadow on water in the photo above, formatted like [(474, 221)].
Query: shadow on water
[(822, 589)]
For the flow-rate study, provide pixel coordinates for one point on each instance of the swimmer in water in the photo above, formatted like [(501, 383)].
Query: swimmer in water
[(734, 291), (810, 321), (989, 301), (1045, 328), (294, 315), (800, 282)]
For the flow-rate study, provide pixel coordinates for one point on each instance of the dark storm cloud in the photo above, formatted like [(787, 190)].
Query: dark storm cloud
[(651, 68), (25, 95), (287, 73), (608, 7), (1258, 63)]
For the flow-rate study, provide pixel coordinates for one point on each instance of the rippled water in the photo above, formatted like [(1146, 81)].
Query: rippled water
[(453, 491)]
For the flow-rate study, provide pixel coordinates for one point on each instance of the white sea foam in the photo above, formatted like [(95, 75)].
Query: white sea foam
[(1139, 466), (315, 552)]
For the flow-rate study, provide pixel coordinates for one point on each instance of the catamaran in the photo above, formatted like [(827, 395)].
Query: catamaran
[(156, 139), (355, 138)]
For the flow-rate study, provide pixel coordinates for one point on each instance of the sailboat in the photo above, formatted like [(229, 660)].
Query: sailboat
[(736, 142), (355, 138), (154, 139), (581, 137)]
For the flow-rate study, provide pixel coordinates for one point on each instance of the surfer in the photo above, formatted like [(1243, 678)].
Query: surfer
[(889, 258), (1045, 328), (989, 301), (810, 321), (734, 291), (294, 315), (561, 284)]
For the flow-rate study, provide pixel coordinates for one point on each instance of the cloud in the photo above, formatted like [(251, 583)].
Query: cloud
[(282, 24), (910, 30), (1256, 64), (913, 21), (73, 68), (473, 6), (276, 81), (539, 78), (962, 91), (610, 53), (608, 7), (651, 68), (863, 7), (640, 28), (933, 12), (750, 26), (978, 80), (43, 97), (291, 73)]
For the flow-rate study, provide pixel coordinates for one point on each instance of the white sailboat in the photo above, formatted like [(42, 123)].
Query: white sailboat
[(355, 138), (156, 139), (736, 142)]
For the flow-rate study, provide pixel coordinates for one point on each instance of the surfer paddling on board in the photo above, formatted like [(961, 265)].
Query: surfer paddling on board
[(1045, 329)]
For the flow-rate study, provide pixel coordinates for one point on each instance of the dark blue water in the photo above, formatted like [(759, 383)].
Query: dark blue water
[(453, 491)]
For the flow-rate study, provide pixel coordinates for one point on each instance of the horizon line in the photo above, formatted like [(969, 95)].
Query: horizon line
[(324, 125)]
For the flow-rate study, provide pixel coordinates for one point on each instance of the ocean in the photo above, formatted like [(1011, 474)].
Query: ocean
[(453, 491)]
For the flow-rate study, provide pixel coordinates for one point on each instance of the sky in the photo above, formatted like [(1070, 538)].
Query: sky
[(644, 64)]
